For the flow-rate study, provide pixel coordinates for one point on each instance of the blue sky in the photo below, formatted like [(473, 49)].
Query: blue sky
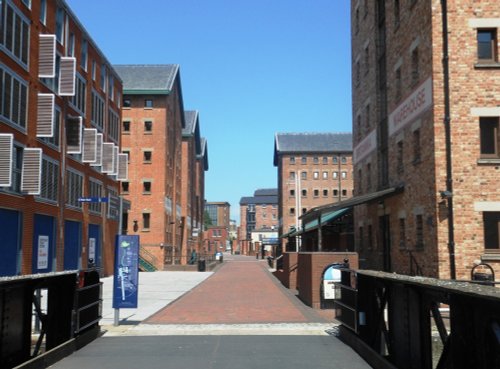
[(251, 69)]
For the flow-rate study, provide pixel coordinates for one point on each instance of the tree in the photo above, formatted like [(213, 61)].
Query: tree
[(207, 221)]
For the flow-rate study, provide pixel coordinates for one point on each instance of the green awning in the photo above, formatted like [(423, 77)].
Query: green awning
[(332, 215), (291, 233), (311, 225)]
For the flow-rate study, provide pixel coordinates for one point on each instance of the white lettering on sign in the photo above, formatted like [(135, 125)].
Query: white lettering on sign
[(366, 146), (418, 102)]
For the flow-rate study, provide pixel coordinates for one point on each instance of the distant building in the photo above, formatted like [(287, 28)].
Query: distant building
[(192, 193), (426, 97), (219, 213), (314, 169), (258, 212), (60, 119), (153, 120)]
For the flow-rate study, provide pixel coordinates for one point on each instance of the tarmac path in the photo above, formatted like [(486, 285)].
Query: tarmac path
[(239, 316)]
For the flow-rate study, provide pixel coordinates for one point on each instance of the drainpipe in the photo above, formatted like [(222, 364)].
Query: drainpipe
[(447, 126)]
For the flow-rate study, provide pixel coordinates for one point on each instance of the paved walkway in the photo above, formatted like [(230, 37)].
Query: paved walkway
[(240, 316)]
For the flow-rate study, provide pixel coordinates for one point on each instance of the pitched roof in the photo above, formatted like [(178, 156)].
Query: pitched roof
[(191, 118), (148, 79), (310, 142), (204, 152), (266, 192)]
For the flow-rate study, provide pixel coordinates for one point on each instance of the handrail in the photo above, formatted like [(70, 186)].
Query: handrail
[(147, 256)]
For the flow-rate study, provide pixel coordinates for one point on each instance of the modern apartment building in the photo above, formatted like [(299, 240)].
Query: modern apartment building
[(59, 142), (192, 194), (314, 169), (219, 213), (152, 124), (426, 97)]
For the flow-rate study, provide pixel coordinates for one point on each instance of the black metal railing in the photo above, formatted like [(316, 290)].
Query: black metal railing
[(396, 320), (39, 313)]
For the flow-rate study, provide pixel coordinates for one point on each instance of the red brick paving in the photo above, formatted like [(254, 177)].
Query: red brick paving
[(239, 292)]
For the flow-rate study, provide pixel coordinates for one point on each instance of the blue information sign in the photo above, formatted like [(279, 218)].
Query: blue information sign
[(93, 199), (126, 278)]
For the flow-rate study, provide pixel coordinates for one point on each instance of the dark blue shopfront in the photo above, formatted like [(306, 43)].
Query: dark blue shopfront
[(10, 242), (44, 244), (72, 245)]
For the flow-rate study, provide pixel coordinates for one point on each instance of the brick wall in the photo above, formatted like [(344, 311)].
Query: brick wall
[(310, 269)]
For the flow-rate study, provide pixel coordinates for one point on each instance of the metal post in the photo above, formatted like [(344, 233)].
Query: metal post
[(116, 321)]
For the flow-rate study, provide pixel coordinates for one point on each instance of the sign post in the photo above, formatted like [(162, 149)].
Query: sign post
[(126, 274)]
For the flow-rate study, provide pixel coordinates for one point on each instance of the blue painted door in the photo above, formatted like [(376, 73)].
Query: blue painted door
[(10, 242), (43, 244), (94, 246), (72, 245)]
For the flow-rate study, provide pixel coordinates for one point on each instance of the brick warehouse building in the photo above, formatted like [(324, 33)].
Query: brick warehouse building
[(313, 169), (193, 199), (59, 142), (258, 213), (426, 97), (216, 234), (153, 120)]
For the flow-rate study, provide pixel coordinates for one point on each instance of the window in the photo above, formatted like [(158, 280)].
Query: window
[(396, 13), (491, 226), (126, 126), (360, 181), (398, 84), (304, 210), (489, 137), (335, 160), (303, 175), (50, 180), (325, 193), (15, 33), (400, 165), (358, 123), (78, 100), (146, 220), (148, 103), (316, 193), (344, 160), (487, 45), (344, 193), (303, 160), (402, 233), (370, 237), (97, 116), (71, 44), (148, 126), (335, 193), (74, 188), (315, 160), (416, 146), (103, 78), (292, 159), (83, 54), (128, 154), (146, 187), (127, 103), (335, 175), (292, 193), (316, 175), (125, 187), (415, 73), (13, 98), (54, 140), (325, 160), (60, 25), (367, 117), (113, 125), (344, 175), (361, 238), (419, 229), (292, 175), (94, 67), (111, 84), (292, 211), (95, 190), (304, 193), (147, 156), (43, 11), (325, 175)]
